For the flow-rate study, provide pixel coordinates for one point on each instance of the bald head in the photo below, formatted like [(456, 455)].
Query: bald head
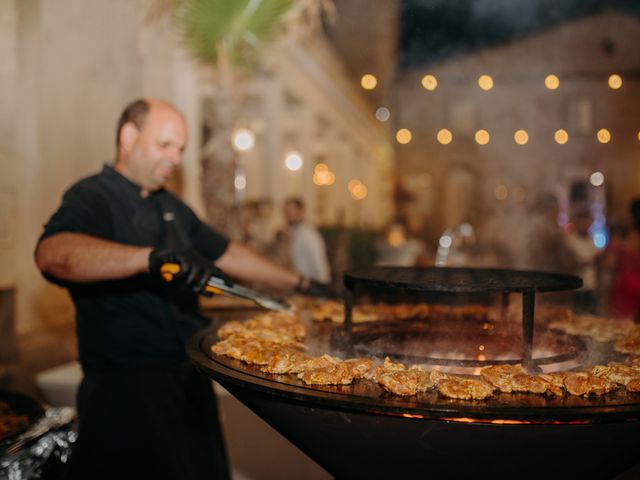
[(151, 138)]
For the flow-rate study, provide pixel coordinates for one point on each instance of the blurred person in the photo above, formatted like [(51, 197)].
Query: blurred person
[(307, 248), (395, 247), (143, 409), (585, 255), (623, 258), (545, 244)]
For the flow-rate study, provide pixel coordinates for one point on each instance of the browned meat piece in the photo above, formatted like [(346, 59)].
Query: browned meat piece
[(360, 367), (617, 372), (287, 361), (387, 367), (581, 383), (633, 385), (253, 351), (319, 362), (336, 374), (276, 327), (409, 382), (601, 329), (334, 311), (403, 382), (465, 388), (630, 343), (514, 378)]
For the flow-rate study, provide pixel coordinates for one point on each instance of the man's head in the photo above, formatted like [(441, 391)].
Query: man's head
[(294, 210), (150, 139)]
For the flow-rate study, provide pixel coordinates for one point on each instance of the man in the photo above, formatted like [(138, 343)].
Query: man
[(143, 411), (585, 256), (308, 252)]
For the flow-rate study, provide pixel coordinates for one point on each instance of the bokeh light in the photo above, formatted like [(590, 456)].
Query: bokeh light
[(561, 136), (243, 139), (485, 82), (604, 136), (429, 82), (444, 136), (404, 136), (368, 81), (596, 179), (521, 137), (293, 161), (482, 137), (615, 81), (383, 114), (552, 82)]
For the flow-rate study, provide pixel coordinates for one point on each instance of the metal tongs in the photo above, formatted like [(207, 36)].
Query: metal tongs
[(217, 285)]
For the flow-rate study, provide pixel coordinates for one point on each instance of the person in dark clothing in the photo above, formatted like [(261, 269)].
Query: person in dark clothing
[(143, 410)]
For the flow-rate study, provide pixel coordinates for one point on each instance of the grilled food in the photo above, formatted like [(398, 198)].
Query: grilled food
[(410, 381), (618, 373), (272, 341), (514, 378), (465, 388), (630, 343), (580, 383), (601, 329)]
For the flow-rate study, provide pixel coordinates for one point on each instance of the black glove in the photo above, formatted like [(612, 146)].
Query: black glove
[(313, 288), (194, 269)]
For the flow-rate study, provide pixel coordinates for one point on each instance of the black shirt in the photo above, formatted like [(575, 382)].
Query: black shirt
[(138, 321)]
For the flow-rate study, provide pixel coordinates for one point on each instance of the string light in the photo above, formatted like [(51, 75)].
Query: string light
[(322, 175), (482, 137), (485, 82), (604, 136), (429, 82), (403, 136), (368, 81), (552, 82), (444, 136), (615, 81), (521, 137), (561, 136)]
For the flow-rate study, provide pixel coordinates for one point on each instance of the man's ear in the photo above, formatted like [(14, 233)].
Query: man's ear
[(128, 135)]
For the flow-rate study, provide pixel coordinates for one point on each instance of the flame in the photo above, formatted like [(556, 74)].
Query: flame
[(506, 421), (410, 415), (486, 421)]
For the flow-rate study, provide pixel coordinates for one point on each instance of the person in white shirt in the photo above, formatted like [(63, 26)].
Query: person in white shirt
[(307, 250), (585, 255)]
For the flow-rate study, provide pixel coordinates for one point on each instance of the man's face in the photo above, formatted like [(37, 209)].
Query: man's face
[(152, 154), (293, 213)]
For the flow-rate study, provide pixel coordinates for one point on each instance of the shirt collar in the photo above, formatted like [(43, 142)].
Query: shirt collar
[(120, 181)]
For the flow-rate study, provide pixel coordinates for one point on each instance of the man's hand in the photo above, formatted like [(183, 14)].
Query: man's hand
[(194, 269), (313, 288)]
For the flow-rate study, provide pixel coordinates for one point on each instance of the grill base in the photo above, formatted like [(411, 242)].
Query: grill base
[(360, 445)]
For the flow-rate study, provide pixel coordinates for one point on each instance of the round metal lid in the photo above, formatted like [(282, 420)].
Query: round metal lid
[(470, 280)]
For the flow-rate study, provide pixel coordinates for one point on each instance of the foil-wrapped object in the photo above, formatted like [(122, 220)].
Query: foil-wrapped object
[(44, 448)]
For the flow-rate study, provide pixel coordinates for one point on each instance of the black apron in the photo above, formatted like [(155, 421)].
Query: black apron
[(148, 423)]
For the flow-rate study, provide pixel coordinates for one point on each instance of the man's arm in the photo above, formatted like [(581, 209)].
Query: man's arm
[(247, 265), (78, 257)]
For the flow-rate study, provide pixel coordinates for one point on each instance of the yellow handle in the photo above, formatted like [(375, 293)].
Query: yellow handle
[(214, 290), (169, 270)]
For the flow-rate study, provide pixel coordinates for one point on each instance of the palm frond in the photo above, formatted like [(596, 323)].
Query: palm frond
[(243, 27)]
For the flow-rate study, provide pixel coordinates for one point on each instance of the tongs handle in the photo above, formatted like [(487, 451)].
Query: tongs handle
[(170, 270)]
